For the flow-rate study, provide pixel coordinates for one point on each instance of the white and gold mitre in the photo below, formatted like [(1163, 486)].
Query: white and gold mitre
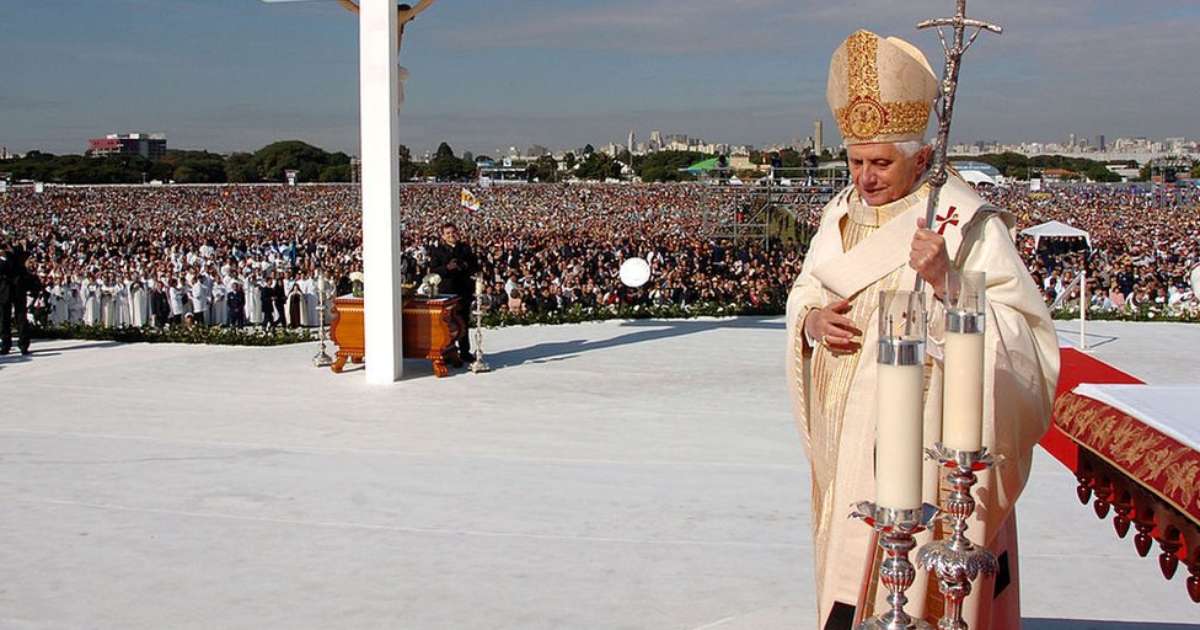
[(880, 90)]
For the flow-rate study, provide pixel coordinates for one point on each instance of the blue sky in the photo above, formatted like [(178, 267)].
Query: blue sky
[(237, 74)]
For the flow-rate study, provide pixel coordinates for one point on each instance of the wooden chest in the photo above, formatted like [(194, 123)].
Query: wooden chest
[(431, 331)]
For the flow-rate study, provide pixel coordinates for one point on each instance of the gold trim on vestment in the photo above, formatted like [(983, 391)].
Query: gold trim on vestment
[(831, 375)]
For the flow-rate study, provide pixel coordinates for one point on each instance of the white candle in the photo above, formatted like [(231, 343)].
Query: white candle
[(478, 285), (962, 410), (899, 435)]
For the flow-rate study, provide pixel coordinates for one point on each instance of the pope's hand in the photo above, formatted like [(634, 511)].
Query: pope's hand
[(929, 257), (831, 327)]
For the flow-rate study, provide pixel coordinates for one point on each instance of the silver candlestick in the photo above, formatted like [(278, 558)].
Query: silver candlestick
[(479, 365), (322, 358), (957, 561), (896, 530)]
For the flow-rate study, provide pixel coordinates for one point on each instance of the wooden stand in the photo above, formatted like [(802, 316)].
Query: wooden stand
[(431, 329)]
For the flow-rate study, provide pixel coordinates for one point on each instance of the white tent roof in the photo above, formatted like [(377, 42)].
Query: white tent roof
[(977, 177), (1055, 229)]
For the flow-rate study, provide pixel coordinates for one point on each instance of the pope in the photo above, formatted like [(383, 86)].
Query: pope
[(873, 237)]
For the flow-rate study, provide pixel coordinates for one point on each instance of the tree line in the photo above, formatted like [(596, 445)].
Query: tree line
[(270, 163)]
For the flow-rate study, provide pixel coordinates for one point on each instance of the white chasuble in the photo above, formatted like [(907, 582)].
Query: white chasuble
[(857, 252)]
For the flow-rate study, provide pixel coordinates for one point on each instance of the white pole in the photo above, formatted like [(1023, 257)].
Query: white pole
[(379, 96), (1083, 307)]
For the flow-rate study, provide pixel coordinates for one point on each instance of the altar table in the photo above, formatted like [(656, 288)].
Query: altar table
[(432, 327), (1134, 459)]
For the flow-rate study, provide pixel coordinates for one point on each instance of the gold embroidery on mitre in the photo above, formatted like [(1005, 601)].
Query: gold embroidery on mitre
[(862, 66), (867, 119), (866, 115)]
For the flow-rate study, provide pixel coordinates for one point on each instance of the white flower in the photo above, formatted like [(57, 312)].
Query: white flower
[(356, 276)]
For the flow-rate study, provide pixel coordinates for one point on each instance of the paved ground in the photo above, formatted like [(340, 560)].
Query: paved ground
[(616, 475), (1158, 353)]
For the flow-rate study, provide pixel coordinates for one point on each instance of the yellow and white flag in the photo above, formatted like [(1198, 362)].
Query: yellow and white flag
[(469, 201)]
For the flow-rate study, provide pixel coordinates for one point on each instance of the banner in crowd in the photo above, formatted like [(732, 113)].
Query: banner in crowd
[(469, 200)]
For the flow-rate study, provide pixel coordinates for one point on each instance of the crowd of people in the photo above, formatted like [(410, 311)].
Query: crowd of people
[(255, 255), (1143, 246), (267, 255)]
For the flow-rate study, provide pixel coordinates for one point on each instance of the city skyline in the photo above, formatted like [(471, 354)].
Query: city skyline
[(232, 75)]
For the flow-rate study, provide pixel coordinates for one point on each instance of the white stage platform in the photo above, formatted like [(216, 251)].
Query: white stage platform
[(1157, 353), (616, 475)]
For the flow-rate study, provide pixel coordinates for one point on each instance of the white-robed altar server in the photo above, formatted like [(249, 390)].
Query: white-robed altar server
[(220, 314), (200, 298), (254, 306), (91, 301), (121, 297), (178, 298), (308, 310), (871, 238), (74, 298), (57, 302), (139, 305), (109, 313)]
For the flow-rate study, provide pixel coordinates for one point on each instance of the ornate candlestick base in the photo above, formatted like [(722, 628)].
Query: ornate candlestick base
[(322, 358), (479, 365), (896, 529), (957, 561)]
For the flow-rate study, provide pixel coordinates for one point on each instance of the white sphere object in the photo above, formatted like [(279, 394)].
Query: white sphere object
[(635, 272)]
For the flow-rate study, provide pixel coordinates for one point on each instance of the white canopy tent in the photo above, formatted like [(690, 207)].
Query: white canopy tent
[(977, 178), (1055, 229)]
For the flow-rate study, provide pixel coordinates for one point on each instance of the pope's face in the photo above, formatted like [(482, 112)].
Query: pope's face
[(882, 173)]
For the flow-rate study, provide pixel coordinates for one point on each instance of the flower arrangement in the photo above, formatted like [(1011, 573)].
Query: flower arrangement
[(1144, 313), (208, 335), (356, 284)]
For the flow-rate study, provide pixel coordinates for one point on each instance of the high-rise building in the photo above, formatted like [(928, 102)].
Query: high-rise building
[(631, 142), (1071, 141), (818, 136), (656, 140), (1101, 145), (152, 146)]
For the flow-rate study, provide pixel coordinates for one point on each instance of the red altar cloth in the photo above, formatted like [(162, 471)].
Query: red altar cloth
[(1146, 478)]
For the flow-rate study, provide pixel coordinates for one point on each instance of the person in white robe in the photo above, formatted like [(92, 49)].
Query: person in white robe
[(873, 237), (220, 315), (178, 296), (74, 295), (308, 310), (108, 304), (139, 305), (121, 299), (57, 302), (254, 306), (200, 300)]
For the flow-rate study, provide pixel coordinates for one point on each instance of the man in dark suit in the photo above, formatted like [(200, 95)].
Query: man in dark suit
[(16, 284), (266, 297), (453, 260), (236, 302), (160, 304)]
